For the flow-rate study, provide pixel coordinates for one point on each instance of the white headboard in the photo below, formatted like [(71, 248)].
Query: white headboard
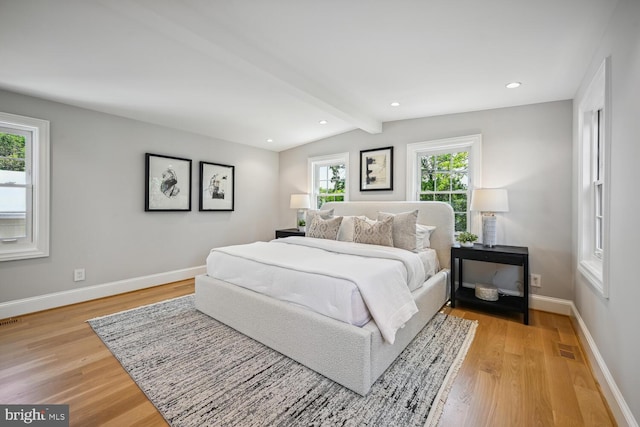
[(429, 213)]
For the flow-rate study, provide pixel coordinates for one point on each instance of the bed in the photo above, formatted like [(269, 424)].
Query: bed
[(353, 356)]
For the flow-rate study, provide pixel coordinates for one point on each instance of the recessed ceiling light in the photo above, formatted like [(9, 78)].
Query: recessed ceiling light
[(395, 104), (513, 85), (323, 122), (269, 140)]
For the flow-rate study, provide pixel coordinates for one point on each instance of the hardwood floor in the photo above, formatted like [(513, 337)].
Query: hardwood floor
[(518, 375), (513, 375)]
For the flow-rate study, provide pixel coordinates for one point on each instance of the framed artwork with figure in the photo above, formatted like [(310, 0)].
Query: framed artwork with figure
[(167, 183), (217, 187)]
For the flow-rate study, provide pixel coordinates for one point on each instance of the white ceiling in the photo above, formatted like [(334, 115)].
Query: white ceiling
[(245, 71)]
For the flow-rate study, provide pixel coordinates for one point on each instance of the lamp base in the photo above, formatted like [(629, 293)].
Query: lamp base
[(489, 230), (300, 217)]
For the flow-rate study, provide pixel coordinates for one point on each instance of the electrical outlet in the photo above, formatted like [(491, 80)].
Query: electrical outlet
[(536, 280), (78, 275)]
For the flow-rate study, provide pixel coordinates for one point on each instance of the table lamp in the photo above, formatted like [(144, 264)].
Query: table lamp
[(488, 201), (300, 202)]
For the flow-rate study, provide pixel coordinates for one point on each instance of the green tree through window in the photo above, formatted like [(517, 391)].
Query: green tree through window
[(12, 152), (445, 178), (332, 184)]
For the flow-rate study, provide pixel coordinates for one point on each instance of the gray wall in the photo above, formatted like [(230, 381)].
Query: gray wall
[(613, 323), (97, 201), (525, 149)]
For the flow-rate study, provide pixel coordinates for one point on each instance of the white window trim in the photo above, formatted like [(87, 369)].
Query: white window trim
[(38, 245), (472, 143), (594, 268), (329, 159)]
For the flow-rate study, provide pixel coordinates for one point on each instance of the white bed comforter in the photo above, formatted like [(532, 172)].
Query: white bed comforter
[(382, 274)]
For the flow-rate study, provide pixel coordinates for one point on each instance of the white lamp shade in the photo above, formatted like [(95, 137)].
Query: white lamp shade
[(490, 200), (300, 201)]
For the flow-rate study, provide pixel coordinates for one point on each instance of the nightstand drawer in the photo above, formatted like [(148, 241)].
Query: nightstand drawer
[(288, 232), (495, 257), (500, 254)]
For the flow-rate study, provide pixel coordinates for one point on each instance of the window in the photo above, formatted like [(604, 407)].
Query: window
[(445, 178), (446, 170), (329, 179), (24, 187), (593, 191), (598, 182)]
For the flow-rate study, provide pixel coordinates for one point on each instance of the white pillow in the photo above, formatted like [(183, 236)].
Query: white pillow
[(345, 234), (423, 235)]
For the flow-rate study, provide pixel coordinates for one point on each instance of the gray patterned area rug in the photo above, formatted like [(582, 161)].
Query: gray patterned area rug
[(199, 372)]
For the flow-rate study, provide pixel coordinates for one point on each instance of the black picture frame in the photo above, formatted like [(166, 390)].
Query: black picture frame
[(217, 187), (167, 183), (376, 169)]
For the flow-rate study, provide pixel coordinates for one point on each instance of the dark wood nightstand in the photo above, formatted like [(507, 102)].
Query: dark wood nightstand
[(513, 255), (287, 232)]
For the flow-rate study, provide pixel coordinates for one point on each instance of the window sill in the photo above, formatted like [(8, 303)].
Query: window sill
[(14, 251), (592, 272)]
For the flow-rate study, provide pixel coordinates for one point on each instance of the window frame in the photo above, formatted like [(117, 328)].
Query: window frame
[(315, 162), (470, 143), (594, 183), (37, 169)]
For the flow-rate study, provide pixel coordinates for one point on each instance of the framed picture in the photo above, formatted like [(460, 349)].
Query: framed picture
[(168, 183), (217, 184), (376, 169)]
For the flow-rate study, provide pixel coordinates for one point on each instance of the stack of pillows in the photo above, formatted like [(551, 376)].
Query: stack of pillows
[(399, 230)]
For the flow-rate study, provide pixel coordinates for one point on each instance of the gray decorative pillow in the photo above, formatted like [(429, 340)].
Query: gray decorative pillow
[(313, 213), (324, 228), (404, 229), (378, 233)]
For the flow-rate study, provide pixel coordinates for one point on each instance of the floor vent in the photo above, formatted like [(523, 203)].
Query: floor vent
[(567, 354), (6, 322), (567, 351)]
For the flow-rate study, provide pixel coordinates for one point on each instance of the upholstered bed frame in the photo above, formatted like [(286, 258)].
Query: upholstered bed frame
[(349, 355)]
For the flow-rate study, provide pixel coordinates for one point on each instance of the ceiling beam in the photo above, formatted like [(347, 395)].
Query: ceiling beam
[(206, 35)]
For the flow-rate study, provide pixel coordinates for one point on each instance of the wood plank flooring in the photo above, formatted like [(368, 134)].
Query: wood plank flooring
[(514, 375), (518, 375)]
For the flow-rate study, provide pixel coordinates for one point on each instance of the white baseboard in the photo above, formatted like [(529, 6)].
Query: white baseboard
[(550, 304), (539, 302), (610, 390), (59, 299)]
